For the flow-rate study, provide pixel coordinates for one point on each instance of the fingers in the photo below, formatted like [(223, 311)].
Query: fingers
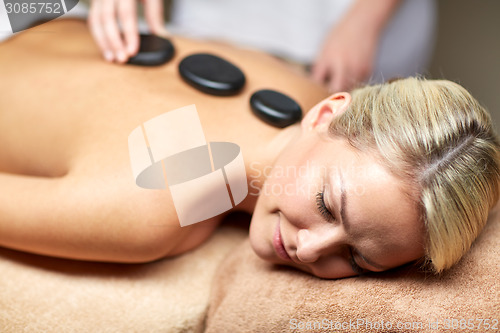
[(319, 72), (103, 22), (111, 30), (328, 74), (96, 28), (347, 76), (153, 12), (338, 81), (127, 12), (336, 75)]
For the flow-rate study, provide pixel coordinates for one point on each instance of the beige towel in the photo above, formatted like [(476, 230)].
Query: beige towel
[(250, 295), (41, 294)]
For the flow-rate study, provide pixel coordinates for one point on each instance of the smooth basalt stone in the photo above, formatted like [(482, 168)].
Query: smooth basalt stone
[(275, 108), (212, 74), (153, 51)]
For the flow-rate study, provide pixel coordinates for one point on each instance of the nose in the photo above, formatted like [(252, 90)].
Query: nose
[(312, 244)]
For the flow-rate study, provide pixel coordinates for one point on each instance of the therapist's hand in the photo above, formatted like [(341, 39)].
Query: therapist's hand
[(348, 55), (106, 17)]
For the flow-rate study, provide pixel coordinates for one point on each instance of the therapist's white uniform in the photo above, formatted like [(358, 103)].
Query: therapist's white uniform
[(296, 29)]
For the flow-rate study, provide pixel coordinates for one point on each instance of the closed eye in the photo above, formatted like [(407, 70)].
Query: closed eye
[(323, 210), (355, 267)]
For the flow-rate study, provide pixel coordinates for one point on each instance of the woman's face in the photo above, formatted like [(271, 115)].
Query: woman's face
[(331, 210)]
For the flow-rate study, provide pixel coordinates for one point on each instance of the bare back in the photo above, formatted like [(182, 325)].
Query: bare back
[(66, 114)]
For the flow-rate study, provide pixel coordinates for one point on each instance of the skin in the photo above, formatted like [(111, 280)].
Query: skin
[(345, 60), (68, 189), (65, 145), (348, 54)]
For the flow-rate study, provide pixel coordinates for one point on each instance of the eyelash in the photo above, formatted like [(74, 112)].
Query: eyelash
[(320, 202), (355, 267)]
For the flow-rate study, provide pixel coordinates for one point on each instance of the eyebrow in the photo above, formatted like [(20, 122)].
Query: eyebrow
[(346, 223)]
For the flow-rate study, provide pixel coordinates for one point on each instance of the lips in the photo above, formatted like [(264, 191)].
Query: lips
[(278, 244)]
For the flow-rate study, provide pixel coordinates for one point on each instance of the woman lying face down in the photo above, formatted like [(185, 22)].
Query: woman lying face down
[(401, 172), (390, 174)]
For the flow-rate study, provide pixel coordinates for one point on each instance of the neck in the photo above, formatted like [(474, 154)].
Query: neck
[(262, 162), (277, 144)]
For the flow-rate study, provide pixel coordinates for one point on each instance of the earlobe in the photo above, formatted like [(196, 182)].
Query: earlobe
[(322, 114)]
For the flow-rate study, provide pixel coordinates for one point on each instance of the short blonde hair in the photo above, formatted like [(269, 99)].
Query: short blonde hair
[(438, 138)]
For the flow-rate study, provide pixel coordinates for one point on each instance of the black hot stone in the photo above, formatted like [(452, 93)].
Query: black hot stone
[(275, 108), (153, 51), (212, 74)]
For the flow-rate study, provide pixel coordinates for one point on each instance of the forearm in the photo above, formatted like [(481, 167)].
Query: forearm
[(80, 220)]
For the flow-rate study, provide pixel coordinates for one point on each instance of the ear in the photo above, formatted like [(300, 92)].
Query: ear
[(322, 114)]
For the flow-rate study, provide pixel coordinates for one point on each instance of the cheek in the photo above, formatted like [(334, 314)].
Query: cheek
[(260, 233), (333, 268)]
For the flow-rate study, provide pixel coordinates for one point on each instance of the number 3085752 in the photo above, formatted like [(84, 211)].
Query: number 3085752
[(33, 8)]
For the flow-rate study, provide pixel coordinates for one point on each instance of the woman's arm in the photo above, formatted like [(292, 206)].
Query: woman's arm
[(94, 218)]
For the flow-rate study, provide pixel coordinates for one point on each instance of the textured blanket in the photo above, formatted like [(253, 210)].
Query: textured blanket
[(41, 294)]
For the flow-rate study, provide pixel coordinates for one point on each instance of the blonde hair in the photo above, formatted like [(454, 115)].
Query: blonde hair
[(438, 138)]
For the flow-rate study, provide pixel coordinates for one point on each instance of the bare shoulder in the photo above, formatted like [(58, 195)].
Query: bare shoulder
[(70, 38), (83, 129)]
